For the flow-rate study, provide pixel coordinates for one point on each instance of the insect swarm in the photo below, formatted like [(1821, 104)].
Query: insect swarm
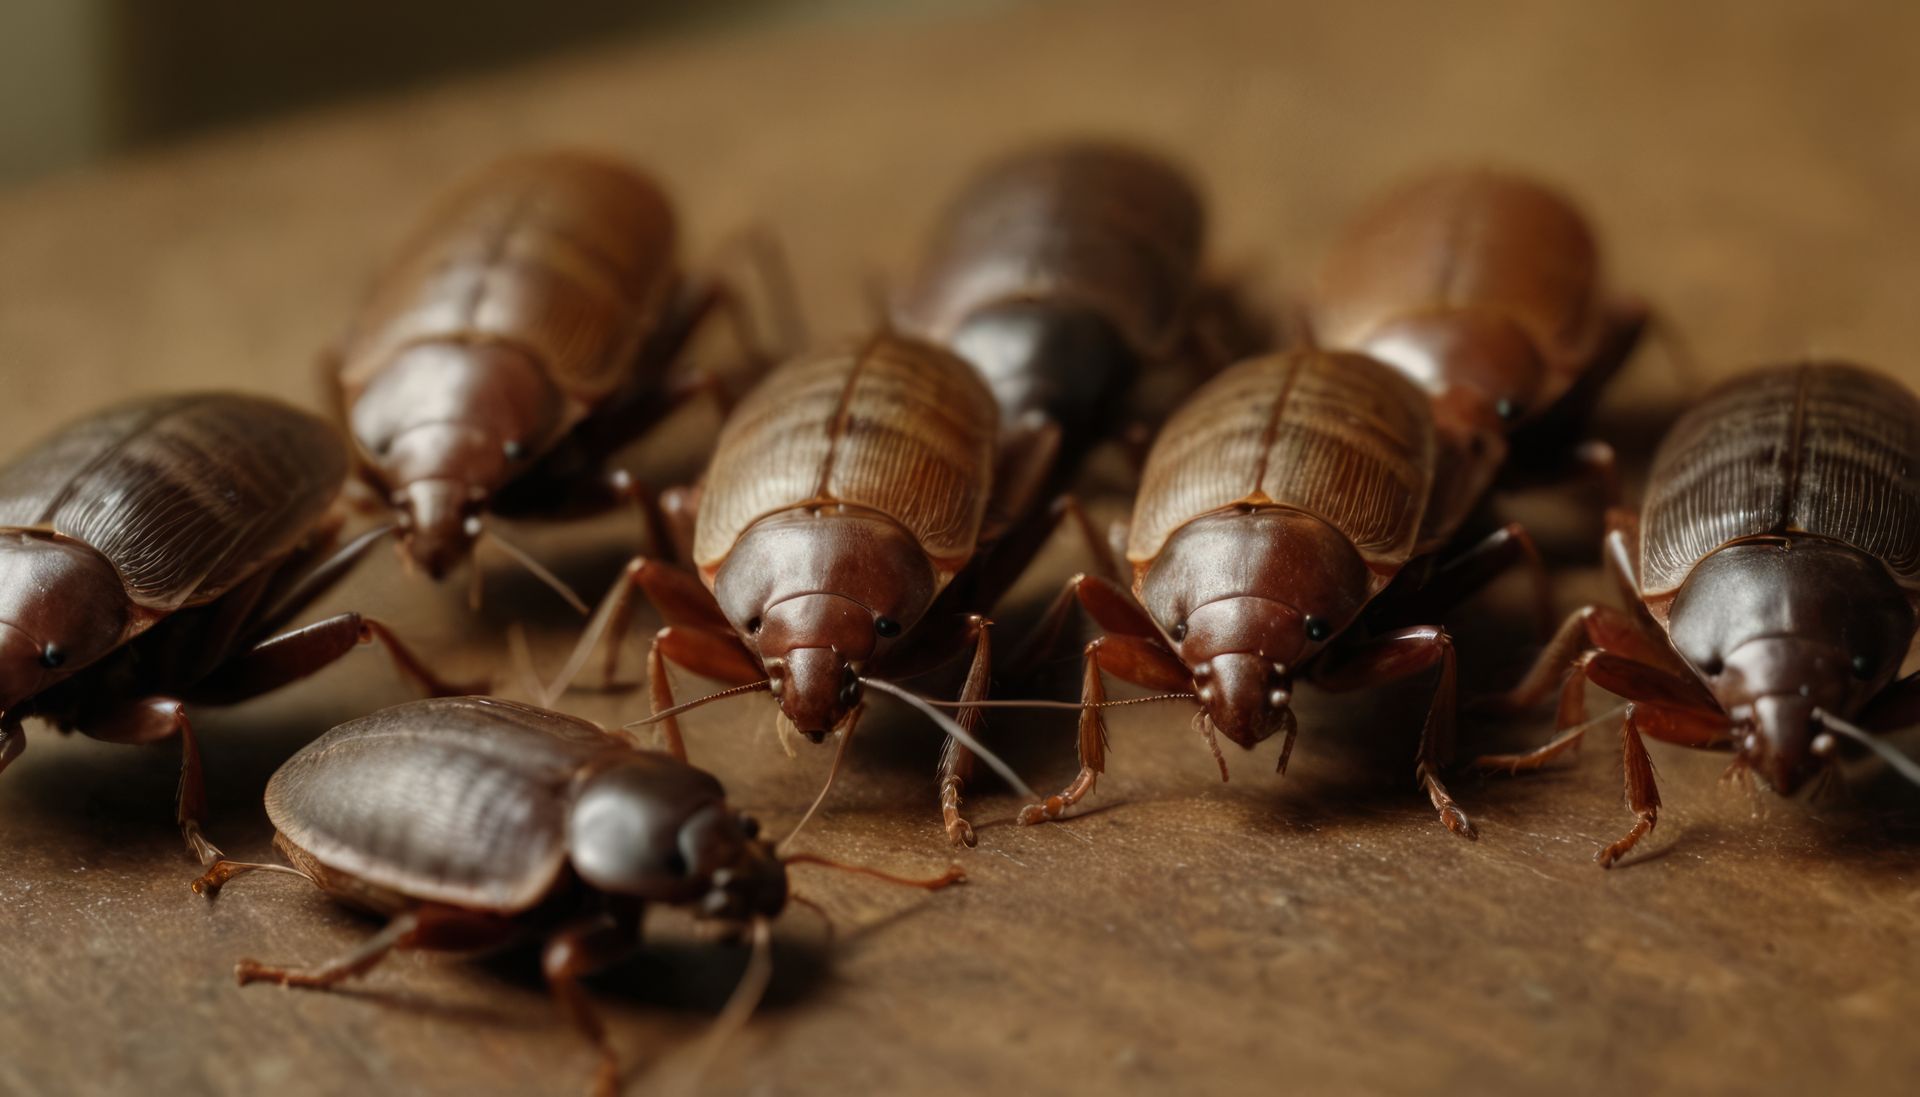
[(519, 340), (151, 554), (1775, 580), (472, 823)]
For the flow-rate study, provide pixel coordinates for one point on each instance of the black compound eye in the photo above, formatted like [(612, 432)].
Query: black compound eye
[(1179, 632), (514, 449), (887, 627), (677, 863), (1506, 409), (1862, 667), (750, 826), (51, 656), (753, 624), (1318, 629)]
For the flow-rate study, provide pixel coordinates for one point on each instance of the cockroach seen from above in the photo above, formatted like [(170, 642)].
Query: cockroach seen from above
[(864, 510), (518, 341), (471, 823), (1774, 572), (149, 557)]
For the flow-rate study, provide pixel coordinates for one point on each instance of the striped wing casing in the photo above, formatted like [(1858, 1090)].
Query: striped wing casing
[(1824, 448), (186, 495), (567, 257), (1478, 239), (1106, 225), (1337, 435), (895, 426), (459, 800)]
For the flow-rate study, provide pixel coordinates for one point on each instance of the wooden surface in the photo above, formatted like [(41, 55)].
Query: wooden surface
[(1753, 170)]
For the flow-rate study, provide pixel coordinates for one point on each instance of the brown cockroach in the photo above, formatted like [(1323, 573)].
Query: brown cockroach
[(1774, 575), (471, 823), (150, 555), (865, 511), (518, 341), (1485, 288)]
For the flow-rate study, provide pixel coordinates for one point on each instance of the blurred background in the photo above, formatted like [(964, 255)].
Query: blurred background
[(85, 79)]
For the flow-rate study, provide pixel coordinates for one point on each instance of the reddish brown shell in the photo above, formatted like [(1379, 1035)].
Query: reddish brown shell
[(186, 495), (896, 426), (1109, 226), (1479, 239), (1337, 435), (459, 800), (1823, 448), (566, 257)]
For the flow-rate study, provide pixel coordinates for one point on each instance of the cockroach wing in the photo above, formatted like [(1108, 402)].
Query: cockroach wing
[(1103, 225), (457, 800), (185, 495), (896, 426), (1337, 435), (1475, 239), (565, 257), (1823, 448)]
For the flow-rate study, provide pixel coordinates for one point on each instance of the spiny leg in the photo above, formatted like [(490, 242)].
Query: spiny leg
[(1135, 659), (1588, 629), (677, 595), (1395, 655), (710, 653), (155, 720), (291, 656), (1112, 609), (1619, 674), (1680, 726), (357, 962), (221, 871), (956, 761), (1472, 569), (579, 950)]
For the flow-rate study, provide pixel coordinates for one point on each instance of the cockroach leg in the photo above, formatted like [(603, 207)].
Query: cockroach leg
[(956, 761), (1590, 628), (1135, 659), (579, 950), (1468, 572), (710, 653), (1396, 655), (358, 962), (155, 720), (677, 595), (1112, 610), (221, 871), (315, 582), (1643, 795), (13, 741), (291, 656)]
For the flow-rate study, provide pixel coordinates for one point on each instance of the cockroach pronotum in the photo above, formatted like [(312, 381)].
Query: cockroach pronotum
[(518, 341), (866, 510), (1774, 572), (150, 555), (1485, 288), (471, 823)]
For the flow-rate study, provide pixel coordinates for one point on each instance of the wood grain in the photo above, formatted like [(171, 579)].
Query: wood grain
[(1750, 169)]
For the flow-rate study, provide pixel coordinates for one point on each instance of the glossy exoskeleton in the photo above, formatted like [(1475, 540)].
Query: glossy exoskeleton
[(1774, 571), (150, 555), (471, 823), (523, 336)]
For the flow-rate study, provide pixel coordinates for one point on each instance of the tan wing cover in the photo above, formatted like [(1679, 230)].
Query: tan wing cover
[(1107, 225), (185, 495), (457, 800), (1337, 435), (1475, 238), (1827, 448), (895, 426), (568, 257)]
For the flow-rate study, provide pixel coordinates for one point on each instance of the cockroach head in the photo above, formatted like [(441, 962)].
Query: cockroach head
[(660, 830), (62, 606), (1483, 368)]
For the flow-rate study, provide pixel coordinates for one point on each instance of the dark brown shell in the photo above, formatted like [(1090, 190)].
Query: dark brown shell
[(1823, 448), (1104, 225), (1479, 239), (459, 800), (185, 495), (567, 257), (1337, 435), (896, 426)]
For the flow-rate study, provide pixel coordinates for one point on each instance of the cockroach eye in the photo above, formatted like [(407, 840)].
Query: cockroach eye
[(1506, 409), (51, 656), (1862, 667), (1179, 632), (750, 826), (677, 863), (1318, 629), (753, 624), (514, 449), (886, 627)]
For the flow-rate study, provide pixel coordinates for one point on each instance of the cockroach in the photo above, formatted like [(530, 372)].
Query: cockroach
[(472, 823), (1774, 572), (866, 510), (520, 339), (1484, 287), (151, 553)]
